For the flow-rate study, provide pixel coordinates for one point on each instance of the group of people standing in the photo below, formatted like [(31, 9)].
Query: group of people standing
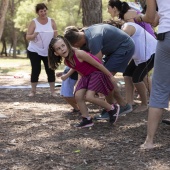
[(129, 50)]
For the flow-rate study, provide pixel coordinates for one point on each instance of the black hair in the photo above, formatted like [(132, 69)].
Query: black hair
[(71, 33), (122, 7), (53, 60), (115, 3), (40, 6)]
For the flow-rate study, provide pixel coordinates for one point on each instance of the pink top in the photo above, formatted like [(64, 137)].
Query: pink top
[(84, 68)]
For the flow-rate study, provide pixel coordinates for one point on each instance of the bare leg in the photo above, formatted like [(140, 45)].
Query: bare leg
[(90, 96), (80, 99), (129, 89), (52, 88), (116, 94), (141, 88), (110, 98), (33, 89), (72, 102), (148, 82), (154, 117)]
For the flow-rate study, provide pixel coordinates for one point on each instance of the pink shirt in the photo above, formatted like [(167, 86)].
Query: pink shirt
[(84, 68)]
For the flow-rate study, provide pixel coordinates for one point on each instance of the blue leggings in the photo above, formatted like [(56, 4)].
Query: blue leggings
[(35, 60)]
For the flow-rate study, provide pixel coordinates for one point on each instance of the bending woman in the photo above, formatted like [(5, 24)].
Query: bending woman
[(126, 13), (142, 62)]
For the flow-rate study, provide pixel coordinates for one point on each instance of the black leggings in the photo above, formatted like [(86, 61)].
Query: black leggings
[(139, 72), (35, 60)]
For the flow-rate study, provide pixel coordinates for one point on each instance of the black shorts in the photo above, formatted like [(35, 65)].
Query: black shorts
[(139, 72)]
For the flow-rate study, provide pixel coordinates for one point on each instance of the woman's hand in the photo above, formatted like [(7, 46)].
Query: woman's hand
[(35, 34), (139, 18)]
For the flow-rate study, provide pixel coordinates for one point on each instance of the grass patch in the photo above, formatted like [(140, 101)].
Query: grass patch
[(10, 66)]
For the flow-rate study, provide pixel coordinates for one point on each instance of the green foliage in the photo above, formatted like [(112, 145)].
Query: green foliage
[(25, 13), (106, 15), (64, 12)]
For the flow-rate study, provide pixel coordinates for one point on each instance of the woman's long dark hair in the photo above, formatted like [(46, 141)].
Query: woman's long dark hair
[(122, 7), (53, 60)]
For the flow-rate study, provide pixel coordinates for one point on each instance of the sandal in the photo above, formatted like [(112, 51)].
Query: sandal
[(166, 121)]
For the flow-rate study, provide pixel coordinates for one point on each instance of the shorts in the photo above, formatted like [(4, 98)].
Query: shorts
[(118, 60), (139, 72), (67, 87)]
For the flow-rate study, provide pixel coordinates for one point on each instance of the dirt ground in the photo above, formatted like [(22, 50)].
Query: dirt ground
[(39, 134)]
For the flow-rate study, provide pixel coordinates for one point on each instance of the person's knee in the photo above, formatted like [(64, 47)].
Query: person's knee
[(126, 78), (78, 97), (89, 97)]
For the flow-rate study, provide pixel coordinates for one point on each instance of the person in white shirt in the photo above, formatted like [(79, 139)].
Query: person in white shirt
[(40, 32), (142, 62), (160, 92)]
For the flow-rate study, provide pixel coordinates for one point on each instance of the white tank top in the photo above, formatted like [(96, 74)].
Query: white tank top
[(164, 14), (42, 41), (145, 44)]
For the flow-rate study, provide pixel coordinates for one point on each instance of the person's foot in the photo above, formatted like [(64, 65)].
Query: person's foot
[(74, 111), (31, 94), (53, 94), (125, 109), (141, 108), (113, 114), (103, 116), (147, 146), (85, 123)]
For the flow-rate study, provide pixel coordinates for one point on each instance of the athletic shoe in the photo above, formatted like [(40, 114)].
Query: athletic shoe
[(85, 123), (103, 116), (125, 109), (166, 121), (113, 114), (74, 110)]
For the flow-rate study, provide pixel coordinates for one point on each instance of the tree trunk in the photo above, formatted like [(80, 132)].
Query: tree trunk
[(3, 10), (25, 40), (14, 43), (92, 12), (14, 32), (4, 49)]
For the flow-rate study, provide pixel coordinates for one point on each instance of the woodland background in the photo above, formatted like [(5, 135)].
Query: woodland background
[(38, 133), (15, 16)]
